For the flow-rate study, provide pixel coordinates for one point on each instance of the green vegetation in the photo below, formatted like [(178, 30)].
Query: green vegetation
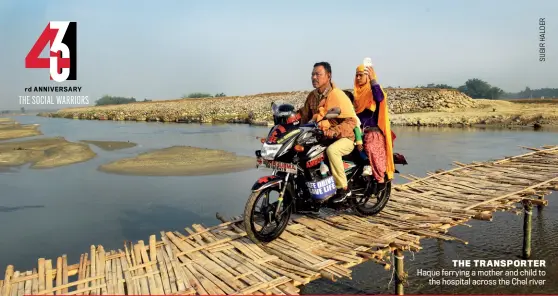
[(440, 86), (534, 93), (480, 89), (116, 100), (474, 88), (21, 110), (198, 95), (110, 100)]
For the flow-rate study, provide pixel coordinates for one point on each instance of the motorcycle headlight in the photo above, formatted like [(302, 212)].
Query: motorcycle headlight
[(269, 151)]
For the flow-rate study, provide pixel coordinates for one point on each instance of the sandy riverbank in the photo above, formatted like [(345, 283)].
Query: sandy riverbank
[(180, 161), (44, 153), (111, 145), (10, 129), (57, 151), (409, 107), (40, 153), (490, 113)]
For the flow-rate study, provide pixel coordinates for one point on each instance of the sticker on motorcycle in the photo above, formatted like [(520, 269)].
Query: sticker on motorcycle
[(348, 165), (315, 161), (280, 166), (278, 131), (266, 179), (288, 136), (322, 189)]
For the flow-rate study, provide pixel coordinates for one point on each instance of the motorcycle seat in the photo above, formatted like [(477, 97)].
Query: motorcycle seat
[(355, 156)]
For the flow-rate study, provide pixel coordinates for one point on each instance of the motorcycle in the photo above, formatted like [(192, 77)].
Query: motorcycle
[(301, 179)]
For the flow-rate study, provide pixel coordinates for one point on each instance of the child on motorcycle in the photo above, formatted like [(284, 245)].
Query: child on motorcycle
[(358, 134)]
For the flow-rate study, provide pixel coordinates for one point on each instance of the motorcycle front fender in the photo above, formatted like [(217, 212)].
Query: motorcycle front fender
[(266, 182)]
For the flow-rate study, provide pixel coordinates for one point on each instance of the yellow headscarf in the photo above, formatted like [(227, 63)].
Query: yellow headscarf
[(363, 94), (365, 100)]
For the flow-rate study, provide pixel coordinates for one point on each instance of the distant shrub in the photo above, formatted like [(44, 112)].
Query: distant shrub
[(198, 95), (110, 100)]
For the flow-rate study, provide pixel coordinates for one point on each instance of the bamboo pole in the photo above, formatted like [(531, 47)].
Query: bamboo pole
[(400, 276), (510, 194), (527, 229)]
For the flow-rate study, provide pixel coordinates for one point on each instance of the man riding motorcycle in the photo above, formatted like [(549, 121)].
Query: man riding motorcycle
[(298, 154), (341, 129)]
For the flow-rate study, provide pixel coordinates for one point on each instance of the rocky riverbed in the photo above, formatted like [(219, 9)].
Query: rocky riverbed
[(254, 108), (432, 107)]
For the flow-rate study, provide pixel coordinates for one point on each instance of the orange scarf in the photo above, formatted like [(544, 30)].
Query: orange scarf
[(384, 125), (364, 100), (363, 95)]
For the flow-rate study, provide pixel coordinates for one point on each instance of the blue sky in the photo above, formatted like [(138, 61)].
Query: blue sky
[(164, 49)]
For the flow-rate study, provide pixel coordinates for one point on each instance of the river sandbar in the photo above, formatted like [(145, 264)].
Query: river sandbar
[(44, 153), (110, 145), (10, 129), (488, 113), (180, 161)]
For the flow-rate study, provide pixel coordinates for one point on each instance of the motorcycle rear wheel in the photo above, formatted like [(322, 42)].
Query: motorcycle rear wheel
[(250, 211), (359, 204)]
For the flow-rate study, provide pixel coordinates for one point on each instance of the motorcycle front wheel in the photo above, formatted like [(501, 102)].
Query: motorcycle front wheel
[(372, 203), (260, 223)]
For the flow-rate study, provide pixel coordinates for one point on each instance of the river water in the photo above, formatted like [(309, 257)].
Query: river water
[(47, 213)]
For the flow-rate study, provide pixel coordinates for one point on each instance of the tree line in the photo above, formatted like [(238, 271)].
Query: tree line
[(21, 110), (117, 100), (198, 95), (480, 89)]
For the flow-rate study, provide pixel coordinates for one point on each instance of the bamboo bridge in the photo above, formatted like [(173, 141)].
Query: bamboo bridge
[(222, 260)]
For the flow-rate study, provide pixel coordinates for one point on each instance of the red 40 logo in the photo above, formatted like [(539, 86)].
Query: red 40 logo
[(62, 59)]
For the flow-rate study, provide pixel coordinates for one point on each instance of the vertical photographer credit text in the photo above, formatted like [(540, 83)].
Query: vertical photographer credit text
[(542, 39)]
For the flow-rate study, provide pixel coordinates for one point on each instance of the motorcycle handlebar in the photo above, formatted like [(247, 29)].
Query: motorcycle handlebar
[(316, 130), (311, 124)]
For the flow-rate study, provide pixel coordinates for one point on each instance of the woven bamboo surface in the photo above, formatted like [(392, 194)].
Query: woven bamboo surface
[(222, 260)]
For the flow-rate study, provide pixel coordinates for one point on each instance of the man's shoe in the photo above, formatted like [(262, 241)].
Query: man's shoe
[(341, 195)]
